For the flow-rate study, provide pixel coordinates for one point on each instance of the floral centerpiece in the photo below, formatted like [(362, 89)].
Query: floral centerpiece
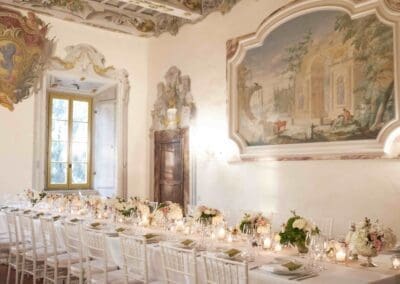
[(295, 232), (368, 239), (168, 211), (256, 221), (208, 215), (128, 207), (34, 196)]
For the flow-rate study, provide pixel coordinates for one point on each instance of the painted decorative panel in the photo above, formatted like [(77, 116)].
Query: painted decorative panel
[(24, 50), (321, 76)]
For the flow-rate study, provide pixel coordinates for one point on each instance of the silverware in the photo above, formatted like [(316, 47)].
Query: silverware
[(307, 277), (255, 267)]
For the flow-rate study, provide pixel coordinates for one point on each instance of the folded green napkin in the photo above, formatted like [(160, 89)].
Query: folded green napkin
[(39, 214), (120, 230), (27, 211), (55, 218), (74, 220), (187, 242), (232, 252), (95, 225), (292, 265), (150, 236)]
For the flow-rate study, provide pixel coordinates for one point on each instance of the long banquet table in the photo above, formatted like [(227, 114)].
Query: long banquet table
[(333, 273)]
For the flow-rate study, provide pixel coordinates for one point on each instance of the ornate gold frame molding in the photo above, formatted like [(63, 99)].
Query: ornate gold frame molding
[(357, 149)]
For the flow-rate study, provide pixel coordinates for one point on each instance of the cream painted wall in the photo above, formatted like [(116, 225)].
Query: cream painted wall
[(345, 190), (16, 128)]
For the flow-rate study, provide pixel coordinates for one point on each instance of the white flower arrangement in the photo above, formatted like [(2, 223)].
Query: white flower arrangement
[(369, 238), (168, 210), (34, 196), (257, 221), (208, 215)]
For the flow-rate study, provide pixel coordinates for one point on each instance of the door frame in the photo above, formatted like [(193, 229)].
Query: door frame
[(170, 136)]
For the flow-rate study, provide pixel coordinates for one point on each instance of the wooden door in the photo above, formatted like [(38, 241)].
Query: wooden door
[(171, 166)]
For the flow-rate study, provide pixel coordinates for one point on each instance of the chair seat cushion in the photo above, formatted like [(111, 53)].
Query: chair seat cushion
[(41, 254), (63, 259), (96, 266), (113, 277)]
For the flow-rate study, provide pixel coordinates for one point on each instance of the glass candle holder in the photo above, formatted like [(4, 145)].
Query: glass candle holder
[(396, 261)]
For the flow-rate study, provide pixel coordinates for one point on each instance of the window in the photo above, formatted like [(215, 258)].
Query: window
[(69, 146)]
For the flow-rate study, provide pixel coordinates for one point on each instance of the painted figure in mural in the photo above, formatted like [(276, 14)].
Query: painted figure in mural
[(8, 51)]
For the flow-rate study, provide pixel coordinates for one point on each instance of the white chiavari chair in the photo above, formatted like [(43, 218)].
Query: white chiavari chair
[(224, 271), (16, 249), (179, 265), (134, 251), (56, 258), (5, 245), (73, 244), (33, 259), (98, 266)]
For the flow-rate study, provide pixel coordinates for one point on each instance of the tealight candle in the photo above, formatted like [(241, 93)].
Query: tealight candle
[(145, 221), (221, 234), (179, 226), (267, 243), (230, 238), (277, 247), (396, 262), (186, 230), (341, 255)]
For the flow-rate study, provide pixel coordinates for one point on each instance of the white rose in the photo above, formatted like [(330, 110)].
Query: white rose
[(300, 224), (207, 212), (262, 230), (277, 238)]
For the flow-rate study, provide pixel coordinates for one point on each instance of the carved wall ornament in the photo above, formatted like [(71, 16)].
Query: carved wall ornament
[(24, 51), (175, 93), (393, 5)]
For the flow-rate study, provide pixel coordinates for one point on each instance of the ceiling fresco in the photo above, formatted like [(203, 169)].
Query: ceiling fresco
[(144, 18)]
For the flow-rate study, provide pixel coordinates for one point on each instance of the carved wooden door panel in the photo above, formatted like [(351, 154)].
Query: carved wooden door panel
[(171, 168)]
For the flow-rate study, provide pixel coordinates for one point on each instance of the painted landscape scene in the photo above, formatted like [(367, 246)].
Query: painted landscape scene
[(320, 77)]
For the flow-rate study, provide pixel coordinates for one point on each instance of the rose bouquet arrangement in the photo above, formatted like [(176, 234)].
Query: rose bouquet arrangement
[(256, 221), (208, 215), (295, 232), (34, 196), (168, 211), (368, 239)]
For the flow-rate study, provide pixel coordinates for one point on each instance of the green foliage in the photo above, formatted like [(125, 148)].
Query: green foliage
[(373, 44), (292, 235)]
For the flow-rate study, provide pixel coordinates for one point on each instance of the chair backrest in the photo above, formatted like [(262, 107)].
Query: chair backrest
[(51, 245), (224, 271), (73, 238), (13, 230), (179, 265), (28, 233), (94, 243), (134, 251)]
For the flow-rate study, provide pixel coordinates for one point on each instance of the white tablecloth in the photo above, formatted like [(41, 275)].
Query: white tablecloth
[(334, 273)]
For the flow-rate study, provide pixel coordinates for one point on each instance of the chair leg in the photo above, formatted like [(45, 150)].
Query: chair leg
[(22, 270), (9, 269)]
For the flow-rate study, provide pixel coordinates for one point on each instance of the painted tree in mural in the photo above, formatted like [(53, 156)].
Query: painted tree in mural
[(373, 43), (293, 59)]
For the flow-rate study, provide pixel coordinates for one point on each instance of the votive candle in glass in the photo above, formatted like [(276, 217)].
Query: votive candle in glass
[(341, 255), (277, 247), (221, 233), (396, 262), (267, 243)]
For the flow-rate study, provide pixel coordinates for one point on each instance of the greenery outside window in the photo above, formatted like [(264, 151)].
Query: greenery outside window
[(69, 142)]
